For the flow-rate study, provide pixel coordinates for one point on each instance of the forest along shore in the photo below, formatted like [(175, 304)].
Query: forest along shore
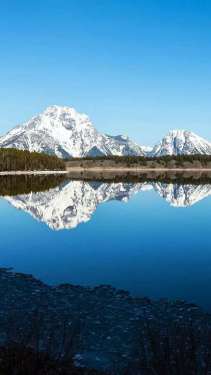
[(19, 161), (140, 163)]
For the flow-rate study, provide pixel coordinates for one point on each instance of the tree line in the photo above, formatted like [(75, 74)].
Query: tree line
[(20, 160), (204, 159)]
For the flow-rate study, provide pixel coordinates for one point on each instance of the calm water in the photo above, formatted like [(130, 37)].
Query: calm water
[(153, 240)]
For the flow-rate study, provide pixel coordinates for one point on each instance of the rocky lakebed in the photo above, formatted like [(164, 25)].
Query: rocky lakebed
[(101, 327)]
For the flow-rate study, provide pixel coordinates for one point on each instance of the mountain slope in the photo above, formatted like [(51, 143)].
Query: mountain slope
[(64, 132), (181, 142)]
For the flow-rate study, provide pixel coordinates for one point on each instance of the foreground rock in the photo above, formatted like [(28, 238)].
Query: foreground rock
[(103, 328)]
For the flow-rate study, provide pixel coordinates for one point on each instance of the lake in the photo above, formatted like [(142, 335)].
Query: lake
[(149, 238)]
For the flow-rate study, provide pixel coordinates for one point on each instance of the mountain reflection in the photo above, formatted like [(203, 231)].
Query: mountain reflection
[(64, 204), (71, 203)]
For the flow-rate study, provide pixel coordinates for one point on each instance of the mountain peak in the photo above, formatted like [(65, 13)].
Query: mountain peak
[(64, 132), (59, 108), (178, 132), (55, 111), (179, 141)]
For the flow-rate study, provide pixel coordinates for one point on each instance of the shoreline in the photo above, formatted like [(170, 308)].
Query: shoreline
[(97, 169), (102, 170), (19, 173)]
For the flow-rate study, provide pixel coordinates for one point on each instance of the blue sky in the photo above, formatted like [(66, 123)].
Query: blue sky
[(137, 67)]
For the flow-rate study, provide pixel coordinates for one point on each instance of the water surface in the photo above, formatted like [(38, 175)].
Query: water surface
[(152, 239)]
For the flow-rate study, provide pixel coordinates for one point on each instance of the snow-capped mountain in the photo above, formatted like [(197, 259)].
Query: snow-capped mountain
[(147, 149), (74, 202), (64, 132), (181, 142)]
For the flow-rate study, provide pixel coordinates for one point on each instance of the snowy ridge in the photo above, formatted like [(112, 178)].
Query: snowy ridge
[(74, 202), (64, 132), (182, 142)]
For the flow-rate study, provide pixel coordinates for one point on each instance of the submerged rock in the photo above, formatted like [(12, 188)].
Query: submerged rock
[(100, 327)]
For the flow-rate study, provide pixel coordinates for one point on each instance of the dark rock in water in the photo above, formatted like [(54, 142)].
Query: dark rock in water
[(103, 328), (21, 360)]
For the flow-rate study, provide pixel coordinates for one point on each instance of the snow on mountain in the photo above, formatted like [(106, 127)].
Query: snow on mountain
[(122, 145), (181, 142), (65, 132), (74, 202), (147, 149)]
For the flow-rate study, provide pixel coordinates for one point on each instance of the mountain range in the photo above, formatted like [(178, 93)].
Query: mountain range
[(74, 202), (64, 132)]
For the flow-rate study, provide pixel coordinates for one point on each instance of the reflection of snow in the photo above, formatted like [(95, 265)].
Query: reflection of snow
[(182, 195), (74, 202)]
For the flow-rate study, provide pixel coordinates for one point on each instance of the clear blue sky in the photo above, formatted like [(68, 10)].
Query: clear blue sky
[(137, 67)]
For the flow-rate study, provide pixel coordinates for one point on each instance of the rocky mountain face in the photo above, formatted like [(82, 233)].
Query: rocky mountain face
[(64, 132), (181, 142), (74, 202)]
